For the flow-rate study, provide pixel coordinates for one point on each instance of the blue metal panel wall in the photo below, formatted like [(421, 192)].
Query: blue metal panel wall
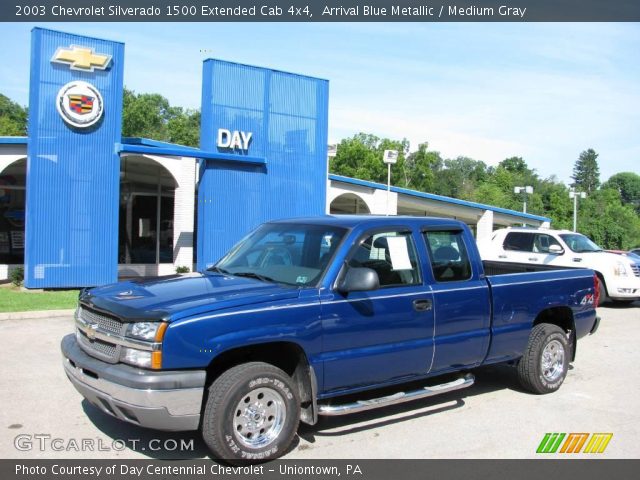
[(287, 115), (72, 174)]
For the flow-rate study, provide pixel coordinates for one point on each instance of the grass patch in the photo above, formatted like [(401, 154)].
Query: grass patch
[(14, 300)]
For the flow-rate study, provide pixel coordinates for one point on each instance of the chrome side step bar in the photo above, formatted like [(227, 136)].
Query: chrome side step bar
[(400, 397)]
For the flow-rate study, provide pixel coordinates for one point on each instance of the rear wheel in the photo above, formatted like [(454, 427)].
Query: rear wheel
[(544, 365), (252, 413)]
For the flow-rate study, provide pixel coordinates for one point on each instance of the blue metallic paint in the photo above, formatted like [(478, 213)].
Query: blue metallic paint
[(73, 176), (288, 117), (367, 339)]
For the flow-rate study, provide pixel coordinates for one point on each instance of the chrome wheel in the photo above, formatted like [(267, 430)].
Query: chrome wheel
[(552, 361), (259, 417)]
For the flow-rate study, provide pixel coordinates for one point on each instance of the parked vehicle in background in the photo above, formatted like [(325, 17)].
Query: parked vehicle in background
[(619, 274), (313, 316), (635, 251)]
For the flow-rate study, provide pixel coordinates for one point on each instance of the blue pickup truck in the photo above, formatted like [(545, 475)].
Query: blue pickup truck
[(317, 316)]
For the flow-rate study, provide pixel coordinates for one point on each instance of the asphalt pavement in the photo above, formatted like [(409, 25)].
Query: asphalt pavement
[(42, 415)]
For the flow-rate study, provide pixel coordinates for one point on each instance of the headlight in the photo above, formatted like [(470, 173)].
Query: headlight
[(139, 358), (143, 330), (620, 270)]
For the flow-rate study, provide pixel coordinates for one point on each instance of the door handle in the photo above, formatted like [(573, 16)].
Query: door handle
[(533, 259), (576, 259), (422, 305), (502, 256)]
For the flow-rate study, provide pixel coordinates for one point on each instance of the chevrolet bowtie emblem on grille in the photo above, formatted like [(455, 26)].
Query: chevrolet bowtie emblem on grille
[(81, 58), (91, 331)]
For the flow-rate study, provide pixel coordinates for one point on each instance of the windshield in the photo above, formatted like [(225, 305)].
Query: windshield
[(579, 243), (291, 254)]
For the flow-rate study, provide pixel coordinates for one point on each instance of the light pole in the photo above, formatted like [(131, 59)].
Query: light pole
[(573, 194), (389, 157), (527, 190)]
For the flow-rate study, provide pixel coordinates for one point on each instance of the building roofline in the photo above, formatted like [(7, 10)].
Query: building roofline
[(154, 147), (438, 198)]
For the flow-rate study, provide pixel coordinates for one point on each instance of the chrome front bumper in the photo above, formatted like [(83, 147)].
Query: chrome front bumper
[(163, 400)]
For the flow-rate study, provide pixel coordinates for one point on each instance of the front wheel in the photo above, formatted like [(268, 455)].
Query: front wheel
[(251, 414), (602, 291), (545, 362)]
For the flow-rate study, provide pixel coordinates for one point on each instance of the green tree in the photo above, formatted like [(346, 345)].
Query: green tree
[(13, 118), (628, 184), (145, 115), (612, 225), (460, 177), (420, 167), (556, 203), (586, 173), (150, 115), (184, 128), (361, 157)]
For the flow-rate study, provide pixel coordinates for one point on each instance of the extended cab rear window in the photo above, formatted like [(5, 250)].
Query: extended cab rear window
[(449, 257)]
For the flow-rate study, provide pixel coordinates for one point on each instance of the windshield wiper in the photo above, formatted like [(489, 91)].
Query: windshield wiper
[(218, 270), (263, 278)]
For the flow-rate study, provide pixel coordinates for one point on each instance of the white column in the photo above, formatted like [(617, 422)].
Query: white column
[(183, 213), (484, 227), (379, 202)]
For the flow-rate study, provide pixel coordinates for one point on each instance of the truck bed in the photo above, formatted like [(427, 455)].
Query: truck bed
[(492, 268)]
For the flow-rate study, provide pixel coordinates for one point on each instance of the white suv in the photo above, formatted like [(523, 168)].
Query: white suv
[(619, 275)]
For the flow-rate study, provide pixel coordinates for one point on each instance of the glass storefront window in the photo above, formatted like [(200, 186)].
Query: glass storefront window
[(12, 211)]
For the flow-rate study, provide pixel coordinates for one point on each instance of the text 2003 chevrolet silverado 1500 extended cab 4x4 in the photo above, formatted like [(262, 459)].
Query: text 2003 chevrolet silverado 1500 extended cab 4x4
[(303, 312)]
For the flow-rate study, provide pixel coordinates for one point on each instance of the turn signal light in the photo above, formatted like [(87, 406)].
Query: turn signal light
[(156, 360)]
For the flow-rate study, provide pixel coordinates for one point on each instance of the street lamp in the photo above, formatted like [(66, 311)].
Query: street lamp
[(527, 190), (389, 157), (573, 194)]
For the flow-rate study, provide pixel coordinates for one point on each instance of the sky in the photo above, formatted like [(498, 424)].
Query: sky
[(489, 91)]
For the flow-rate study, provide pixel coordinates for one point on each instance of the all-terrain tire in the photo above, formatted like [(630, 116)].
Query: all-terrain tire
[(545, 362), (251, 414)]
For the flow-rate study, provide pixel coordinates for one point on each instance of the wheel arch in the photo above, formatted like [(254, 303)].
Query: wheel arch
[(561, 317), (290, 357)]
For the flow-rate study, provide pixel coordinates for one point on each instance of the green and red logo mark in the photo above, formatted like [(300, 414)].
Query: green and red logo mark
[(574, 442)]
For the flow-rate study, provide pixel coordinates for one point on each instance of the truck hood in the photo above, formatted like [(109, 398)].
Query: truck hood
[(171, 298)]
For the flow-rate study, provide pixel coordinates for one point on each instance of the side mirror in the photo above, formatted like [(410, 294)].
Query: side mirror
[(359, 280), (556, 249)]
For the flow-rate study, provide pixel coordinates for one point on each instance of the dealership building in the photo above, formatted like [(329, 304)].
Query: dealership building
[(80, 205)]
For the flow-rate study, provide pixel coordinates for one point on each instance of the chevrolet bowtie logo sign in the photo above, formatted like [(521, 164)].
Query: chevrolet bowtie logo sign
[(81, 58)]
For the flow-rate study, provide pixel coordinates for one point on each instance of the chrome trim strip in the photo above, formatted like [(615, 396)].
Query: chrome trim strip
[(181, 401), (400, 397), (109, 337)]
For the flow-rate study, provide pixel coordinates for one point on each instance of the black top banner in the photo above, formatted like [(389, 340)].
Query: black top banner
[(319, 11)]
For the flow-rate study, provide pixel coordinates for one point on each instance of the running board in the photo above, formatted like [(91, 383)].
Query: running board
[(400, 397)]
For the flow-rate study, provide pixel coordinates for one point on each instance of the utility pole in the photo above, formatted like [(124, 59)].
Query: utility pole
[(574, 195), (389, 157), (526, 190)]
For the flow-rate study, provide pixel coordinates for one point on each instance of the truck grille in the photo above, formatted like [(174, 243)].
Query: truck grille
[(635, 268), (105, 323), (99, 348)]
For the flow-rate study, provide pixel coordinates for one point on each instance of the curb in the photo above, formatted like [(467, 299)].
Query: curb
[(36, 314)]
